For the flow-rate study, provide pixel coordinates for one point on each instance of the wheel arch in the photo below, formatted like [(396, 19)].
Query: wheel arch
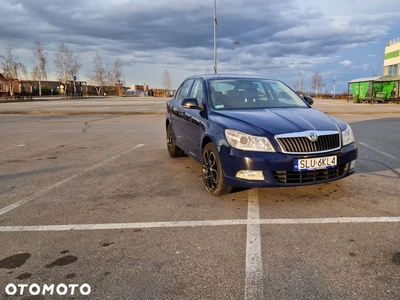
[(205, 141), (167, 122)]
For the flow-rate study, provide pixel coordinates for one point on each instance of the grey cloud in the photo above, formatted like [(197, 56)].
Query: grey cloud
[(273, 34)]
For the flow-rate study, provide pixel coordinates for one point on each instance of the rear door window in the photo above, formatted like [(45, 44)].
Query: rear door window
[(184, 89)]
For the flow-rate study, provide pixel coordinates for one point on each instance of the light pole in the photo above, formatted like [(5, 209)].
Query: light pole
[(215, 36), (300, 82), (334, 86), (236, 43)]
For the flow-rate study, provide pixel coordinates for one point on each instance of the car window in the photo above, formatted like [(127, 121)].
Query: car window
[(279, 93), (197, 91), (184, 90), (252, 93)]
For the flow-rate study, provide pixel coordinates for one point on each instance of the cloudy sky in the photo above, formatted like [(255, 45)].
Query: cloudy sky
[(287, 39)]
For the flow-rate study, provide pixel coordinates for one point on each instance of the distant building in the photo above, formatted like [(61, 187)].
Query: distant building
[(391, 64), (138, 90), (3, 83), (10, 87), (138, 87)]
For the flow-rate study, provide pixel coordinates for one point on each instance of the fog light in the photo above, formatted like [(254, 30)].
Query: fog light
[(353, 165), (250, 175)]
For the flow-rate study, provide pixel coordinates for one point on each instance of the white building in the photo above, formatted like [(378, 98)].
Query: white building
[(391, 64)]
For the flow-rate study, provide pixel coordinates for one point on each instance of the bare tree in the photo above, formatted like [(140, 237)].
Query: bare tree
[(67, 63), (114, 73), (12, 68), (39, 71), (298, 85), (118, 71), (167, 81), (316, 81), (98, 77)]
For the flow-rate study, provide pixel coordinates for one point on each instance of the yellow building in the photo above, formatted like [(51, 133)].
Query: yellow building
[(391, 64)]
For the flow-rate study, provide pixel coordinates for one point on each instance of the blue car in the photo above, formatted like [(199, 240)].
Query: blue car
[(255, 131)]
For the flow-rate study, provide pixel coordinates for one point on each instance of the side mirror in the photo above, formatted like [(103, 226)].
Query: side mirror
[(190, 103), (309, 100)]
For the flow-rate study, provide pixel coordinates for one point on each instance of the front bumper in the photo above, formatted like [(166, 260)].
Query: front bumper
[(278, 168)]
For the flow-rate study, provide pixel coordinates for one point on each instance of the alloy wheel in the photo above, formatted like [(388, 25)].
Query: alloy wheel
[(210, 170)]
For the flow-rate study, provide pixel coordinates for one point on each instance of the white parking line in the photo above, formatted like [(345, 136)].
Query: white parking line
[(254, 283), (206, 223), (379, 151), (68, 179), (11, 148), (148, 225)]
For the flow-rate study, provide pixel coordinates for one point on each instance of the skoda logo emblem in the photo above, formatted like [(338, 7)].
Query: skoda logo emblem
[(313, 137)]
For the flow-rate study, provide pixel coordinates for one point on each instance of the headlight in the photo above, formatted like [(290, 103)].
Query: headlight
[(347, 136), (244, 141)]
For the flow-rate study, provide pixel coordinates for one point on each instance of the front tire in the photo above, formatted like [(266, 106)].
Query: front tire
[(213, 177), (173, 149)]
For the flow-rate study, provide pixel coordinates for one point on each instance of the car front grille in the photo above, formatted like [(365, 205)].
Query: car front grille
[(302, 144), (292, 177)]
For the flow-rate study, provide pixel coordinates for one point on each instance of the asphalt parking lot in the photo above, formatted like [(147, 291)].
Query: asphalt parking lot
[(95, 200)]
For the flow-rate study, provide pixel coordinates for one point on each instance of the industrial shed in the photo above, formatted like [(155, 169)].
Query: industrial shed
[(375, 89)]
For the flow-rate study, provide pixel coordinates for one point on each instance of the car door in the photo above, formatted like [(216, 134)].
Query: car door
[(178, 115), (194, 121)]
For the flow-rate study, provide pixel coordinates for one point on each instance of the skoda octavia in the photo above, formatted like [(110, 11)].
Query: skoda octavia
[(253, 131)]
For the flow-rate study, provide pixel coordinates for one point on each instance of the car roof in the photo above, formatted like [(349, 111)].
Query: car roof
[(231, 76)]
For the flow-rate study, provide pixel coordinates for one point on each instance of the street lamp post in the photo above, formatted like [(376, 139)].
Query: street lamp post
[(300, 82), (236, 43), (334, 86), (215, 36)]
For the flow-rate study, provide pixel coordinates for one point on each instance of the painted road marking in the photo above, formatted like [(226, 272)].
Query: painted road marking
[(254, 282), (206, 223), (66, 180), (254, 273), (379, 151), (14, 147)]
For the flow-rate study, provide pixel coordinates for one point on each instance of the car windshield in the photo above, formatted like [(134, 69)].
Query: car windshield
[(242, 93)]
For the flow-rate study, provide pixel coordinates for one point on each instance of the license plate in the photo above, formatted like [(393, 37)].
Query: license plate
[(308, 164)]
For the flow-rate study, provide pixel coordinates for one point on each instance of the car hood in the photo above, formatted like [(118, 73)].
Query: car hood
[(276, 120)]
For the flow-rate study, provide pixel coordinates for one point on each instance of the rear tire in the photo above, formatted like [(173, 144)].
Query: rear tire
[(173, 149), (213, 176)]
